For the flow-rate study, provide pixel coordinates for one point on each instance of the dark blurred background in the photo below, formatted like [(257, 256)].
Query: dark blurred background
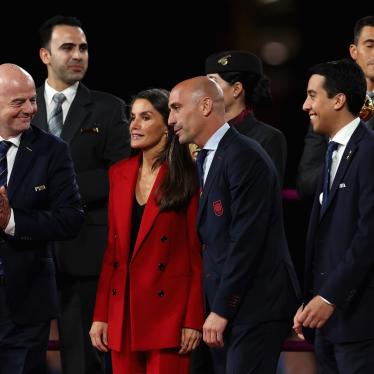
[(141, 44)]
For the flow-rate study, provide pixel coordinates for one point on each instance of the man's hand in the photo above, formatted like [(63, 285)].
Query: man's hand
[(99, 335), (190, 339), (315, 313), (4, 208), (213, 329), (297, 326)]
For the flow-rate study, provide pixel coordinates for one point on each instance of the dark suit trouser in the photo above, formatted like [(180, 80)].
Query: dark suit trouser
[(201, 361), (23, 347), (344, 358), (251, 348), (78, 356)]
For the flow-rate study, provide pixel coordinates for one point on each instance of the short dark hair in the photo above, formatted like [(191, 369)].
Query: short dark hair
[(359, 25), (46, 29), (180, 182), (343, 76)]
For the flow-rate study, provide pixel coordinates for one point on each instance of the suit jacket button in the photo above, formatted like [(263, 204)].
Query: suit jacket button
[(115, 236), (164, 238), (114, 292), (161, 293), (115, 264), (161, 267)]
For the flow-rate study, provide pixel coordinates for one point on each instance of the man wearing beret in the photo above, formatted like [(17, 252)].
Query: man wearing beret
[(240, 75)]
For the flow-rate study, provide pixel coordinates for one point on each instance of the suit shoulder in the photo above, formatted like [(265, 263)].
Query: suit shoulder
[(106, 97), (243, 147), (122, 164), (45, 137), (251, 126)]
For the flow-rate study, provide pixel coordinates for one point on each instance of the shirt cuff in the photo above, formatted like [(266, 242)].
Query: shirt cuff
[(10, 229), (326, 301)]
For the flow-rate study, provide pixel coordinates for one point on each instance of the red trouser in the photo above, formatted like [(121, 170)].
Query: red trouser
[(163, 361)]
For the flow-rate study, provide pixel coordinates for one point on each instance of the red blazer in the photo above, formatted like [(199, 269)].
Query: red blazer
[(164, 273)]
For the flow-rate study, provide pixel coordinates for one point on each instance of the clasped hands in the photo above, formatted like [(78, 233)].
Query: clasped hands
[(4, 208)]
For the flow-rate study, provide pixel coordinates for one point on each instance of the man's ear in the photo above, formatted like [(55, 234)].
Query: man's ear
[(206, 105), (340, 100), (44, 55)]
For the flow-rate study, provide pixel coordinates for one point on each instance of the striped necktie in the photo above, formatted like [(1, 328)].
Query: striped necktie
[(56, 119)]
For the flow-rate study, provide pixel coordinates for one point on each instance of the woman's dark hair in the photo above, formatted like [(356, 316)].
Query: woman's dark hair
[(180, 182), (256, 87)]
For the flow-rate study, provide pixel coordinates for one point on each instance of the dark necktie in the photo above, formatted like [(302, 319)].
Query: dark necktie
[(4, 146), (56, 119), (332, 146), (200, 165)]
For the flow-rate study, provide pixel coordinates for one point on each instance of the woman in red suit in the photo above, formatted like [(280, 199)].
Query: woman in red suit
[(149, 303)]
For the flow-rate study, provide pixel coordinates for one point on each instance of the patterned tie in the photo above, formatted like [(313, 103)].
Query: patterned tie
[(56, 120), (4, 146), (200, 165), (332, 146)]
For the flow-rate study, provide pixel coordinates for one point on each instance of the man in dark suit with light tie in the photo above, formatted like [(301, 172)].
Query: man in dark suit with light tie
[(39, 203), (94, 125), (338, 303), (250, 283)]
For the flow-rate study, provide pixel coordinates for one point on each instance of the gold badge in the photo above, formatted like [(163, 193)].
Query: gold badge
[(40, 188), (224, 60)]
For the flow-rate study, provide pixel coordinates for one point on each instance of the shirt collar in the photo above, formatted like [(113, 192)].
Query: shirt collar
[(345, 133), (214, 140), (68, 92), (15, 140)]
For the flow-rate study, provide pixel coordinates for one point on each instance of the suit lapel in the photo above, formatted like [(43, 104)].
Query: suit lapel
[(151, 212), (79, 110), (40, 118), (24, 158), (123, 200), (214, 170), (345, 161)]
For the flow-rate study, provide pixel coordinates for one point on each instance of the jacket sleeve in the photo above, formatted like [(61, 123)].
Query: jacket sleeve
[(311, 163), (62, 216), (103, 286), (252, 192)]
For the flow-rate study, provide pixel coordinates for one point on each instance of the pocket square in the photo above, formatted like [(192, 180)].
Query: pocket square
[(92, 130), (40, 188), (342, 185)]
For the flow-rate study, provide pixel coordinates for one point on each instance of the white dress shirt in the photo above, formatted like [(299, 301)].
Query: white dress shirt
[(342, 137), (211, 145), (10, 157), (69, 93)]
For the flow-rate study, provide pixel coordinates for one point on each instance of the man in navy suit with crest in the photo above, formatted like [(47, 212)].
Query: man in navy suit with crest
[(249, 280)]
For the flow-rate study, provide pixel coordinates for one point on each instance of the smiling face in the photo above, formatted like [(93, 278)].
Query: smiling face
[(319, 106), (147, 127), (17, 103), (66, 56)]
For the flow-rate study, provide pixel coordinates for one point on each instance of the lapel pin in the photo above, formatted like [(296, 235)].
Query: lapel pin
[(349, 155), (29, 149), (40, 188)]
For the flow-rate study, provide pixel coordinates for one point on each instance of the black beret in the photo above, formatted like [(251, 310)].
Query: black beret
[(233, 61)]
